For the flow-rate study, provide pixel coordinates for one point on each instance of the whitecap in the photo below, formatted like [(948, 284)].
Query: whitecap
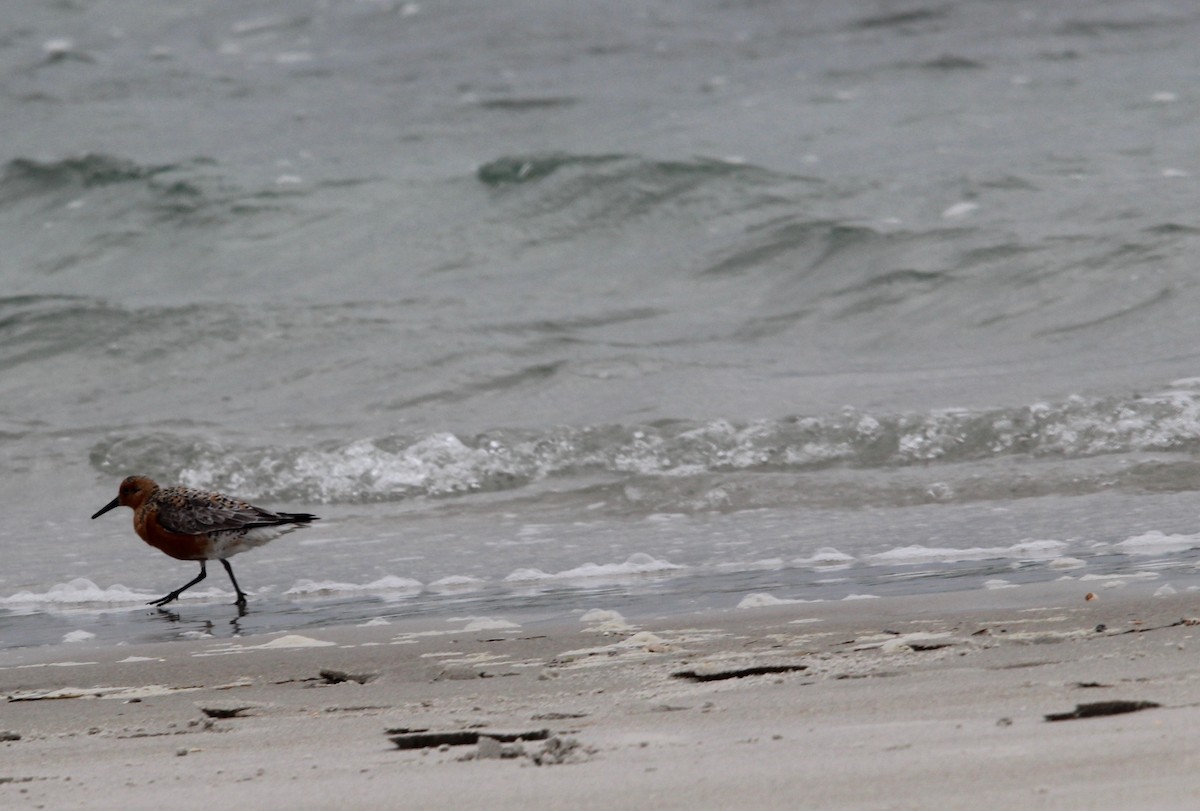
[(1156, 543), (636, 564), (826, 558), (1065, 563), (78, 636), (490, 624), (1025, 550), (457, 582), (77, 591), (959, 210), (759, 599), (324, 588), (764, 565), (597, 615)]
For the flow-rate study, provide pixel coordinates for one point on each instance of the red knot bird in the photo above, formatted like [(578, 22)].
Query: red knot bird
[(190, 524)]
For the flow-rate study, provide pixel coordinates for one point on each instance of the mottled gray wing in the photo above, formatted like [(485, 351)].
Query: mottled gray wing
[(188, 511)]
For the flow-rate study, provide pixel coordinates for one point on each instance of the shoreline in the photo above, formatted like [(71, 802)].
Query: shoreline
[(910, 702)]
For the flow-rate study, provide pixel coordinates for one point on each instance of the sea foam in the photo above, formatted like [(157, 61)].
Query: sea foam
[(1156, 543), (76, 592), (1025, 550), (326, 588), (636, 564)]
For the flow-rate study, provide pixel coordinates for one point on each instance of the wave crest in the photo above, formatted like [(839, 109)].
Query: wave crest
[(444, 464)]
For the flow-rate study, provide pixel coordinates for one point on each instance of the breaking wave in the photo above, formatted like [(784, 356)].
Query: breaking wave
[(399, 467)]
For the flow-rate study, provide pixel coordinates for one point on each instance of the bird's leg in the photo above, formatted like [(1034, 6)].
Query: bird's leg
[(241, 595), (175, 594)]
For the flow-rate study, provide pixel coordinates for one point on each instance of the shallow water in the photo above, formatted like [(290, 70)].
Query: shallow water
[(545, 309)]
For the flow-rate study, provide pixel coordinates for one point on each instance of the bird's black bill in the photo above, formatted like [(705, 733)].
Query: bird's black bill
[(116, 502)]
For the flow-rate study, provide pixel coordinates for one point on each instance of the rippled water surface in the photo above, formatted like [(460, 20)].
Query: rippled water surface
[(546, 307)]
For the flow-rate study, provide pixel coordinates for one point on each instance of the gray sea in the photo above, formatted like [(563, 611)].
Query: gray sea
[(653, 306)]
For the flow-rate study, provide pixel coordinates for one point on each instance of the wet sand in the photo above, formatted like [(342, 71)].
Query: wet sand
[(908, 703)]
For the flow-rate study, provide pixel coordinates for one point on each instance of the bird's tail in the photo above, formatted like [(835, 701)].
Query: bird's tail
[(298, 518)]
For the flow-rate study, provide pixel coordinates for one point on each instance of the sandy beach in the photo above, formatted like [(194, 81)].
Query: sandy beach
[(907, 703)]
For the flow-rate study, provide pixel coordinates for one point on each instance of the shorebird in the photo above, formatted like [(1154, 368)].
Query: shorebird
[(190, 524)]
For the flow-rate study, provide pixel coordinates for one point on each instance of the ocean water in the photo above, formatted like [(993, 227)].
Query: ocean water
[(648, 306)]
